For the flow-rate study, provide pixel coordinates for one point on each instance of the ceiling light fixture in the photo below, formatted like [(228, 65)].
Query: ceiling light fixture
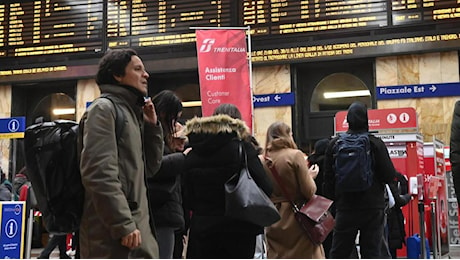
[(343, 94), (63, 111), (191, 104)]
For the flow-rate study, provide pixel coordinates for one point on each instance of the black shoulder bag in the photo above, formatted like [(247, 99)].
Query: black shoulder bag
[(244, 200)]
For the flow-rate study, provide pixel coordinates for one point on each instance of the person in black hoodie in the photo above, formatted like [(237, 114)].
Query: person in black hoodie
[(455, 149), (396, 231), (317, 157), (359, 211)]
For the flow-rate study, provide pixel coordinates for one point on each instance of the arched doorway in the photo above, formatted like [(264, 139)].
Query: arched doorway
[(323, 89), (337, 91), (39, 99), (53, 107)]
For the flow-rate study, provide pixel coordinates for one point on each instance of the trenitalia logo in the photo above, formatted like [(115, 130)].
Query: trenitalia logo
[(207, 45)]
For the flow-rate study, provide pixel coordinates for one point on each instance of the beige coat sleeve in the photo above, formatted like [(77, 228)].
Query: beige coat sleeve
[(306, 183)]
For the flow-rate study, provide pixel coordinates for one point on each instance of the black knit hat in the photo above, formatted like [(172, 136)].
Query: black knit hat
[(357, 117), (321, 145)]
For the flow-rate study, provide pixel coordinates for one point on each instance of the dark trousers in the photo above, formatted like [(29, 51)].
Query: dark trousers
[(56, 240), (369, 222), (76, 244), (178, 244), (327, 244), (233, 245)]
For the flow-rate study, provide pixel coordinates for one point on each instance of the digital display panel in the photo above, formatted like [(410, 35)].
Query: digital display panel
[(357, 48)]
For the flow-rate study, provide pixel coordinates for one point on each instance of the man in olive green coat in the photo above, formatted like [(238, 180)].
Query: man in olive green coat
[(116, 220)]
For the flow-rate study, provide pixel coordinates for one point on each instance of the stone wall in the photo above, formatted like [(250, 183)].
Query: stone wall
[(434, 114)]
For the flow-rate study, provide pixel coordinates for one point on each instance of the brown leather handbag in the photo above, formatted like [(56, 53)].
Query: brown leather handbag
[(314, 216)]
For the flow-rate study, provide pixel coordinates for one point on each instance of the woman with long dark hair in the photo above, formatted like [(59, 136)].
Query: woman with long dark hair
[(165, 187)]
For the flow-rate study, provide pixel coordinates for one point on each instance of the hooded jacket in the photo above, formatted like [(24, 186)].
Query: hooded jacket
[(318, 158), (113, 175), (455, 148), (384, 171), (215, 158), (396, 230)]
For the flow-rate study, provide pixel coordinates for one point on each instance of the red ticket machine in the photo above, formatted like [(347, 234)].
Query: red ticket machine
[(406, 153), (436, 197)]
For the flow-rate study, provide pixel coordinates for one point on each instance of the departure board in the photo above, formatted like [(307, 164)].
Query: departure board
[(30, 28), (288, 16), (142, 23), (417, 11), (78, 29), (280, 17), (45, 27)]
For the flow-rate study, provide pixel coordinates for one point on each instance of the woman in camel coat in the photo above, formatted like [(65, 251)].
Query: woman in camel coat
[(285, 238)]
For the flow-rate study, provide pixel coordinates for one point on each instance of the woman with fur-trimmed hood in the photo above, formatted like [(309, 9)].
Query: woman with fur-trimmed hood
[(214, 158)]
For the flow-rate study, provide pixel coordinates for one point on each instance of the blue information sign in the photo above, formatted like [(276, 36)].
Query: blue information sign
[(12, 220), (12, 127), (418, 91), (274, 100)]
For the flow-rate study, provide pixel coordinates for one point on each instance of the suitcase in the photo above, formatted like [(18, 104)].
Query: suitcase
[(414, 247)]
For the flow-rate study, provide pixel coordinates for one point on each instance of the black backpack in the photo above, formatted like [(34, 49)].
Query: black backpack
[(52, 152), (353, 162)]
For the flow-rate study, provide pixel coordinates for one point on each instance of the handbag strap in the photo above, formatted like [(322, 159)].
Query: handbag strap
[(278, 180), (242, 154)]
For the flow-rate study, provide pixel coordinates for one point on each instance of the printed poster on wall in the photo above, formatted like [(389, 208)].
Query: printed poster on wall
[(223, 68)]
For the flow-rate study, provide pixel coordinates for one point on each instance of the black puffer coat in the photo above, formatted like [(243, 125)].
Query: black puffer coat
[(165, 191), (214, 158)]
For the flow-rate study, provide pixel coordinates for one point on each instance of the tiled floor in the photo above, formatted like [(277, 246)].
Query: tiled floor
[(454, 253), (54, 255)]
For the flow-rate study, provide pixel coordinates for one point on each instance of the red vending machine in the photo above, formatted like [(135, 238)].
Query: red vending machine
[(436, 197), (406, 152)]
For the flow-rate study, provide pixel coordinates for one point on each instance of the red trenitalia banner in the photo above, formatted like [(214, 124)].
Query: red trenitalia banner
[(223, 67)]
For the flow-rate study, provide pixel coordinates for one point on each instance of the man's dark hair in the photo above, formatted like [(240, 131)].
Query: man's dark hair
[(112, 64)]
